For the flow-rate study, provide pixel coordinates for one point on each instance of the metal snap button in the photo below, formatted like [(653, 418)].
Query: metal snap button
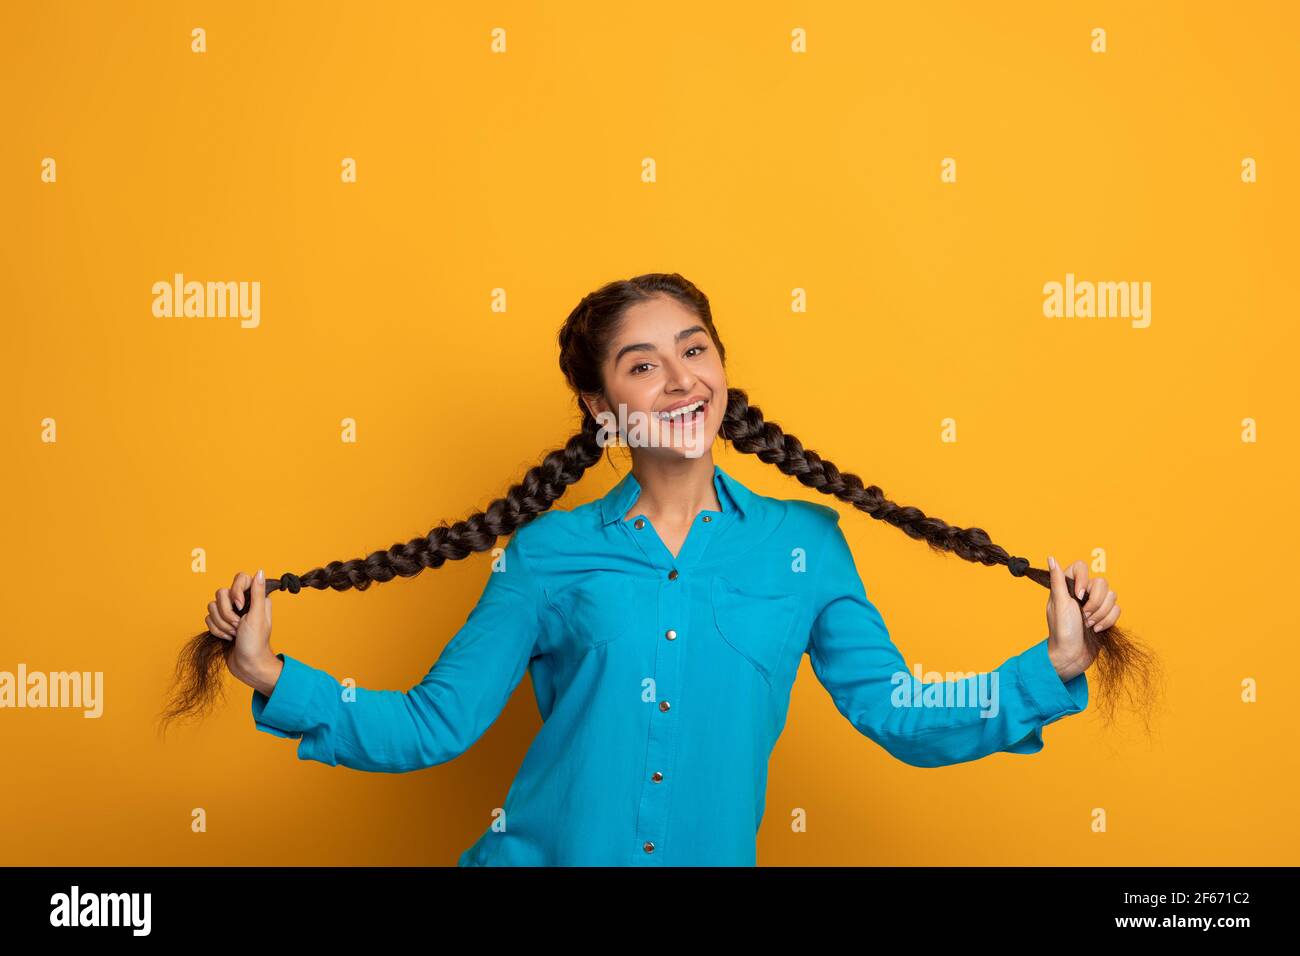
[(671, 634), (639, 523)]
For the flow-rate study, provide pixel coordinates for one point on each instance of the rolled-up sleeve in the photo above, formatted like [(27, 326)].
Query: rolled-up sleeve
[(438, 719), (925, 724)]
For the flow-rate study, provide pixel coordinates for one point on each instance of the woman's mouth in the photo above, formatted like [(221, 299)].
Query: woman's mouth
[(692, 414)]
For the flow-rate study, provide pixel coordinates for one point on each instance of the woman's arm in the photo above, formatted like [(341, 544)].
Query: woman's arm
[(930, 724), (437, 720), (263, 678)]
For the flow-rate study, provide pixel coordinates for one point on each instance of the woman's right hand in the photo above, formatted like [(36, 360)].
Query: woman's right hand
[(250, 633)]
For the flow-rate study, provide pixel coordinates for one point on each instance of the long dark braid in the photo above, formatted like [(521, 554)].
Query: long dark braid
[(1123, 664), (199, 666)]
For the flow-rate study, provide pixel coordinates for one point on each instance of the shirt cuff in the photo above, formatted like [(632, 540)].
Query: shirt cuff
[(293, 706), (1052, 697)]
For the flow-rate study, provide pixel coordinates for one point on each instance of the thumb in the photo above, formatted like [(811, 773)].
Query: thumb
[(257, 606), (1060, 593)]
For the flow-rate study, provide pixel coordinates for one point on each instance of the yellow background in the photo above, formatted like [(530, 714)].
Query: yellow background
[(522, 171)]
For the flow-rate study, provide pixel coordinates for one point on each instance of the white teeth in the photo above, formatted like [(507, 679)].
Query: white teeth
[(684, 410)]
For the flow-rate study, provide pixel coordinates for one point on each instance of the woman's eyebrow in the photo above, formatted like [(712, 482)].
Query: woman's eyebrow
[(648, 347)]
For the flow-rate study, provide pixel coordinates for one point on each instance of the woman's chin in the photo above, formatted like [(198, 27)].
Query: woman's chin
[(686, 445)]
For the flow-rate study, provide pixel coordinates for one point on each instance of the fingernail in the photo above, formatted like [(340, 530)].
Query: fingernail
[(1078, 592), (260, 575), (1088, 622), (1051, 562)]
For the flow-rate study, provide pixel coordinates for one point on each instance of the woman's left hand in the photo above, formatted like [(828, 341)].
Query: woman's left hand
[(1066, 622)]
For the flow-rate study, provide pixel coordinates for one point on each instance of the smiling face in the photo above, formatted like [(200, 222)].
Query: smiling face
[(663, 358)]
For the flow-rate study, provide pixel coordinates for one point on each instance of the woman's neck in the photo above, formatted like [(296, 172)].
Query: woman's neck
[(674, 491)]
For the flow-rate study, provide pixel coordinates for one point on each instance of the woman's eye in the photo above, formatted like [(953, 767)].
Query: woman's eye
[(694, 348), (642, 365)]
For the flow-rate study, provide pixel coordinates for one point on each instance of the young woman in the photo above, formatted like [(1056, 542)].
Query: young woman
[(663, 624)]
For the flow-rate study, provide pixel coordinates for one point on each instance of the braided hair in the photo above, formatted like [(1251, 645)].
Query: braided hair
[(1124, 666)]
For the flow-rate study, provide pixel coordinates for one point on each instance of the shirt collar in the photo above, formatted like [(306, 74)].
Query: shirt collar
[(731, 494)]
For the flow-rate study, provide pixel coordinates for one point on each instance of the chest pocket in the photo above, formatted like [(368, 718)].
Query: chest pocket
[(756, 624), (593, 611)]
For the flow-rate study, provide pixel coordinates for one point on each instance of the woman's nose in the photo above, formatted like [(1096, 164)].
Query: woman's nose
[(680, 377)]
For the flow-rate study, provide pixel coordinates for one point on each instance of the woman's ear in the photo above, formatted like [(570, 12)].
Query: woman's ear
[(595, 403)]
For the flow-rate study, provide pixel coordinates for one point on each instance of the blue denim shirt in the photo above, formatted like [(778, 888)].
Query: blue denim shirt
[(663, 682)]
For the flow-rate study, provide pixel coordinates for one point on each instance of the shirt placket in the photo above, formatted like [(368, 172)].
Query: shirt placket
[(675, 577)]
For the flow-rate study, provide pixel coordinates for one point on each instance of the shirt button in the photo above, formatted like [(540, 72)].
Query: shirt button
[(639, 523), (656, 776), (670, 634), (648, 847), (663, 705), (672, 575), (708, 517)]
